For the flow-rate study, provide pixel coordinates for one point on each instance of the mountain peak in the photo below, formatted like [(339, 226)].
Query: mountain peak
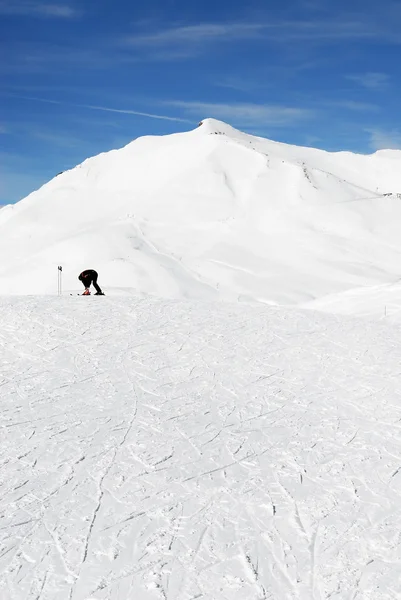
[(214, 126)]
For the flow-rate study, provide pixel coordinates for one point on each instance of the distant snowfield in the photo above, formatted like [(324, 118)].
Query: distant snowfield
[(374, 302), (211, 214), (159, 449)]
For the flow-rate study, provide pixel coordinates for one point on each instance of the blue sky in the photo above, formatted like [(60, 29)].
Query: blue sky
[(81, 77)]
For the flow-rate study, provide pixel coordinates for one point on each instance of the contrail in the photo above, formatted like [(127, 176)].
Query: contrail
[(103, 108)]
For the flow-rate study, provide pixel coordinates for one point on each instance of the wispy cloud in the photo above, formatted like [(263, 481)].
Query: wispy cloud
[(322, 31), (63, 139), (104, 108), (353, 105), (188, 41), (316, 30), (371, 81), (381, 139), (247, 114), (38, 9), (195, 34), (243, 84), (41, 57), (178, 43)]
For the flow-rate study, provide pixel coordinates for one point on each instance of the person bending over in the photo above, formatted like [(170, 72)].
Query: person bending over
[(89, 277)]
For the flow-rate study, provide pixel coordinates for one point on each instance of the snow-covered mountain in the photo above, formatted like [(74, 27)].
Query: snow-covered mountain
[(214, 214), (170, 449)]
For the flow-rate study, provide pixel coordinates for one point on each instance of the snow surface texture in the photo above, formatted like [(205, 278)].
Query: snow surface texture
[(164, 450), (213, 214)]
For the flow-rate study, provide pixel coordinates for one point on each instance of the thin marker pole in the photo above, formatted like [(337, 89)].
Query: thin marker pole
[(59, 286)]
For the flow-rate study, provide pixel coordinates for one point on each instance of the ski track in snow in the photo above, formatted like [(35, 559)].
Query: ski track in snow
[(162, 450)]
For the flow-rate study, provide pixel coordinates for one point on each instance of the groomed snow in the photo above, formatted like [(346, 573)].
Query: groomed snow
[(165, 450), (214, 214)]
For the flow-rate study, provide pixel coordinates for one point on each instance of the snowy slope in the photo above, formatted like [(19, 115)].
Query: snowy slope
[(212, 214), (377, 302), (155, 449)]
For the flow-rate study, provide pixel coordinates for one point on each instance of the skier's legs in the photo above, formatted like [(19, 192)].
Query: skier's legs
[(95, 285)]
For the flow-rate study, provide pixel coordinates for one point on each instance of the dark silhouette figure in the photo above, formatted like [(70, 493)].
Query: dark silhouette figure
[(89, 277)]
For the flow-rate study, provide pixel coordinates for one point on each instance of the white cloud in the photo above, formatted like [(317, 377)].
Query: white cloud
[(356, 106), (244, 114), (315, 31), (194, 34), (188, 41), (39, 9), (179, 43), (384, 140), (371, 81), (244, 84)]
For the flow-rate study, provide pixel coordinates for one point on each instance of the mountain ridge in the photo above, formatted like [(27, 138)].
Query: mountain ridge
[(213, 213)]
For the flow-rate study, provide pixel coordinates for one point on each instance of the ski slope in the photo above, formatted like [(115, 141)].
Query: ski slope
[(155, 449), (212, 214), (188, 436), (374, 302)]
